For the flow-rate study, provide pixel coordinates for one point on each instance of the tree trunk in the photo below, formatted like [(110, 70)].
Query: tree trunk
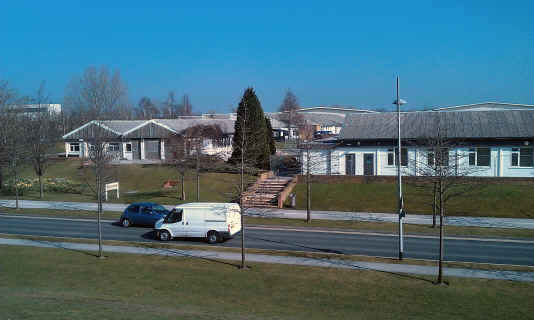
[(441, 214), (183, 187), (198, 176), (308, 187), (99, 191), (41, 187), (242, 191), (435, 204), (16, 187)]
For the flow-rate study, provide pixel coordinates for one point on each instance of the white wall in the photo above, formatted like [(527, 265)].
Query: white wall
[(500, 165)]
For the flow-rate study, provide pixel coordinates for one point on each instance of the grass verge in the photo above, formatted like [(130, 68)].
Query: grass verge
[(492, 200), (38, 283), (301, 254)]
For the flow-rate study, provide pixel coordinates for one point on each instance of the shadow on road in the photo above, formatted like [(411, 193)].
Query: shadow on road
[(297, 245)]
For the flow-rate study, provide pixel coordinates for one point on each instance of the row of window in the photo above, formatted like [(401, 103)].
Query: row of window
[(75, 147), (480, 157)]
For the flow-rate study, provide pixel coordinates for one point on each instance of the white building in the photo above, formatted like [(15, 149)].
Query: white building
[(146, 139), (487, 143)]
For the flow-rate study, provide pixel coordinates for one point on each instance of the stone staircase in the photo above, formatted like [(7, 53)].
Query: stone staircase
[(265, 192)]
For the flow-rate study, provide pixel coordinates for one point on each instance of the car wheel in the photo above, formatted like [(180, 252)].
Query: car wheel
[(126, 223), (213, 237), (164, 235)]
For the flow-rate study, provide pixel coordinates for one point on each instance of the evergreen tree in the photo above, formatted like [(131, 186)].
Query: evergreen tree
[(250, 122)]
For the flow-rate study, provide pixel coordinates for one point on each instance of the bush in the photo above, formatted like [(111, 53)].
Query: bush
[(59, 185)]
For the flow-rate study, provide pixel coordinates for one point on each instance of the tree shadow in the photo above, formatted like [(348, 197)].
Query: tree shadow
[(186, 254), (297, 245), (58, 245)]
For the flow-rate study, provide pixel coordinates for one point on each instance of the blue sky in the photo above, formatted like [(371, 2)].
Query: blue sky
[(327, 52)]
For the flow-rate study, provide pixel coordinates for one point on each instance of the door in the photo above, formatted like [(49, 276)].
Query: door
[(194, 223), (175, 222), (136, 151), (350, 164), (152, 149), (128, 154), (368, 164)]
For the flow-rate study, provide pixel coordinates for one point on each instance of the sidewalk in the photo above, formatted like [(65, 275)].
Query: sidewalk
[(487, 222), (317, 262)]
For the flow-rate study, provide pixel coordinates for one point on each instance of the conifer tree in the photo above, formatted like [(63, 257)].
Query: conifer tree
[(257, 150)]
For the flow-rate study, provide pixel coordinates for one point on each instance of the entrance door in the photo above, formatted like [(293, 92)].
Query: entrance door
[(350, 164), (152, 149), (136, 151), (128, 152), (368, 164)]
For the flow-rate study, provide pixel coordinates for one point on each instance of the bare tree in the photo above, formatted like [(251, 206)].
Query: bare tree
[(100, 94), (169, 108), (147, 109), (314, 157), (442, 171), (289, 112), (42, 134), (7, 99), (185, 108), (13, 142)]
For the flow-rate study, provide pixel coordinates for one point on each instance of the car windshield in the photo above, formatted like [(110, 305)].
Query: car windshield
[(159, 209)]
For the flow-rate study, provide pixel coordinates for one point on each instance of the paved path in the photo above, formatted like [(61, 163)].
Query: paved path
[(316, 262), (301, 214)]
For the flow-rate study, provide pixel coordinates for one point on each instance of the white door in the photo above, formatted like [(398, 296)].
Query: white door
[(194, 223), (128, 152)]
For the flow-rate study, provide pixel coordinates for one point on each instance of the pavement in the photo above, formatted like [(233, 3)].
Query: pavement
[(487, 222), (399, 269)]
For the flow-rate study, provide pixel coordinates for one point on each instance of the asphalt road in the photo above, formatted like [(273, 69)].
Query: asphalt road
[(484, 251)]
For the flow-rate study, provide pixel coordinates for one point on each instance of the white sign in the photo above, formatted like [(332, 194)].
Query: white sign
[(110, 187)]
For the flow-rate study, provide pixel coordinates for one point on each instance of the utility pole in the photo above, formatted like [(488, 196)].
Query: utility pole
[(398, 102)]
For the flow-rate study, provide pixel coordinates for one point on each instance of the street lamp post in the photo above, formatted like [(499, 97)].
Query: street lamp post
[(399, 102)]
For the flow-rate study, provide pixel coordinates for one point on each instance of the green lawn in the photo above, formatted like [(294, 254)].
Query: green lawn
[(38, 283), (494, 200), (140, 183)]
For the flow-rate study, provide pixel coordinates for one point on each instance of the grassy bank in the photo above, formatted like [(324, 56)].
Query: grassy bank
[(139, 183), (494, 200), (38, 283)]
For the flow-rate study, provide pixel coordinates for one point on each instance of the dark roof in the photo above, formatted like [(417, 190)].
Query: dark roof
[(414, 125)]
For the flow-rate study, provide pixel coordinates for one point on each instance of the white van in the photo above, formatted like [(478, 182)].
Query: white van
[(213, 221)]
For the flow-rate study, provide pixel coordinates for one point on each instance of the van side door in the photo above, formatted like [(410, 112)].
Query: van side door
[(194, 223)]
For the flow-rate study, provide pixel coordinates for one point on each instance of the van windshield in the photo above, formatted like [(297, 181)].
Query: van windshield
[(174, 216)]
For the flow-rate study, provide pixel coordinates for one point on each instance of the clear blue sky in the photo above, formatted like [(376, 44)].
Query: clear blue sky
[(327, 52)]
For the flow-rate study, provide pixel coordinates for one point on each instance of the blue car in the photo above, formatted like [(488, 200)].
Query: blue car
[(143, 213)]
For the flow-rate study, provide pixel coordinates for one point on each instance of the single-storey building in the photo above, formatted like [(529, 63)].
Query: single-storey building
[(495, 143), (146, 139)]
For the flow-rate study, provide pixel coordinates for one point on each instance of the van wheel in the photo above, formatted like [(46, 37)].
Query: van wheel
[(164, 235), (213, 237), (125, 223)]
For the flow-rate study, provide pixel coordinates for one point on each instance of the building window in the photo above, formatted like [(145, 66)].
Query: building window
[(113, 147), (74, 147), (480, 157), (522, 157), (439, 159), (392, 157)]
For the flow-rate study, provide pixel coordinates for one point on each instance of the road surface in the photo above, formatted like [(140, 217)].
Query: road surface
[(343, 242)]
